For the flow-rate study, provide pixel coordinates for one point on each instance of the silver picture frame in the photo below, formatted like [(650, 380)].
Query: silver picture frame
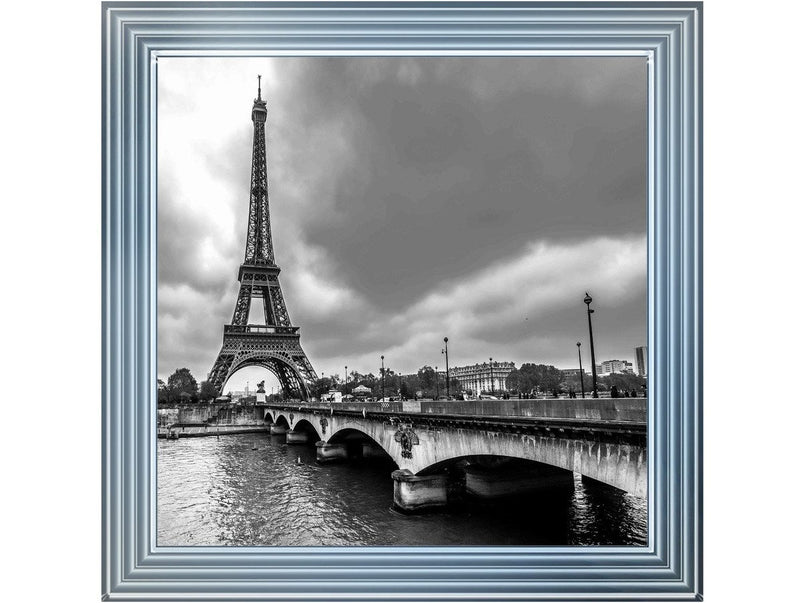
[(136, 35)]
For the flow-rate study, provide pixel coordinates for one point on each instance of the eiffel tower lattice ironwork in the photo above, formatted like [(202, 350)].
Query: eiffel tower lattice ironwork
[(274, 345)]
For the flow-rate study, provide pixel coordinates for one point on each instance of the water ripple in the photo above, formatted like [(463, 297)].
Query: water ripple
[(214, 491)]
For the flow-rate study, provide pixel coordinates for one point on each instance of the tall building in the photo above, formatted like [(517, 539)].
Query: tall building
[(485, 377), (641, 357)]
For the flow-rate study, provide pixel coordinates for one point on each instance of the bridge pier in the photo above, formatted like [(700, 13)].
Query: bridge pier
[(278, 429), (484, 483), (413, 493), (327, 453), (296, 437)]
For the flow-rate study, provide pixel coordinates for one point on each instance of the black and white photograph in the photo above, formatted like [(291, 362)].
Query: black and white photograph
[(402, 301)]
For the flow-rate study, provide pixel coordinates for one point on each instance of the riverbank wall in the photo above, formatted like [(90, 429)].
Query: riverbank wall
[(200, 431), (216, 413)]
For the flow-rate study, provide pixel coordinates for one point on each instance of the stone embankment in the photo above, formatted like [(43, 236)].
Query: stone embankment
[(198, 431)]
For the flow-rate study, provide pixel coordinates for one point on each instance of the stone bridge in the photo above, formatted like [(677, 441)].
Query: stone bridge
[(496, 447)]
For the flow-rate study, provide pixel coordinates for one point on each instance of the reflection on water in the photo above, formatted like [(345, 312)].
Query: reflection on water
[(223, 492)]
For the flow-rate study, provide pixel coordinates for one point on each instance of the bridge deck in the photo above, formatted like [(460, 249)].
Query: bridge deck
[(624, 417)]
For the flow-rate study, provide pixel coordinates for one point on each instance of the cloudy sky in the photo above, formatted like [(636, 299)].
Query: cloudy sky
[(411, 199)]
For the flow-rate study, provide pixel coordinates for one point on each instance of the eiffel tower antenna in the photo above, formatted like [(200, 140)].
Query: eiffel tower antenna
[(275, 344)]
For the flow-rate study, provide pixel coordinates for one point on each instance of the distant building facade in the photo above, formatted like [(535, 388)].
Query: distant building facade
[(616, 366), (641, 357), (573, 372), (483, 377)]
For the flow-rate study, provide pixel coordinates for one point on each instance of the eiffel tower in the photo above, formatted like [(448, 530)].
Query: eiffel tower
[(274, 345)]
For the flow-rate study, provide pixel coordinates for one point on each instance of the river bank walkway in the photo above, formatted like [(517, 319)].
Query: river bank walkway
[(211, 430)]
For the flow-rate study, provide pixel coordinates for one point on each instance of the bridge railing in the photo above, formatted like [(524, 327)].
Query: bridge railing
[(629, 410)]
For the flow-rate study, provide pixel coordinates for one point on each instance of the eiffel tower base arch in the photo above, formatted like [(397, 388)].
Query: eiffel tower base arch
[(284, 358)]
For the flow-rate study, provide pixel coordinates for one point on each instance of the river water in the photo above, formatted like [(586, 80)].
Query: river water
[(250, 490)]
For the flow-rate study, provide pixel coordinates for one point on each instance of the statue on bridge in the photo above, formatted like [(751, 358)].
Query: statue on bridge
[(261, 387), (407, 438)]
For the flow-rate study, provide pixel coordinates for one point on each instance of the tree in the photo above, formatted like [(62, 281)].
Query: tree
[(369, 381), (181, 382), (572, 383), (207, 391), (624, 382), (410, 385), (391, 383), (514, 382), (404, 389), (321, 386), (161, 391), (530, 377), (427, 378)]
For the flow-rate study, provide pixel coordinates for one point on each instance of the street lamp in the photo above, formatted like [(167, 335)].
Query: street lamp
[(446, 355), (436, 376), (382, 371), (588, 300), (580, 366)]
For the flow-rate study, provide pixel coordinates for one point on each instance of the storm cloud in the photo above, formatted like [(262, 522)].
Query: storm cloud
[(411, 199)]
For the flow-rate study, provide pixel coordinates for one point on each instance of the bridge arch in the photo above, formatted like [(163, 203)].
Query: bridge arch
[(282, 421), (486, 461), (619, 465), (308, 428), (360, 442)]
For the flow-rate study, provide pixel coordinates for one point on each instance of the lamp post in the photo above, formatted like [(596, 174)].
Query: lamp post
[(588, 300), (580, 366), (382, 371), (446, 357), (436, 376)]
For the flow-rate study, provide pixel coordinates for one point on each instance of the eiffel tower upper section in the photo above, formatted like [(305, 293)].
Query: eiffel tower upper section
[(259, 266), (259, 246)]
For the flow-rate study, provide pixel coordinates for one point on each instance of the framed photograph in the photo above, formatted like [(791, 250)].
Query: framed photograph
[(402, 301)]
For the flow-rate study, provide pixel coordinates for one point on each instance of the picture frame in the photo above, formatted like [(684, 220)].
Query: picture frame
[(668, 35)]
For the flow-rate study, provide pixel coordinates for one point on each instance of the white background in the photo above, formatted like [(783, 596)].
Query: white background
[(50, 250)]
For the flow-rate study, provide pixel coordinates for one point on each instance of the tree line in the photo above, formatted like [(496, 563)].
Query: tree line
[(425, 383), (181, 386), (528, 379), (547, 379)]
